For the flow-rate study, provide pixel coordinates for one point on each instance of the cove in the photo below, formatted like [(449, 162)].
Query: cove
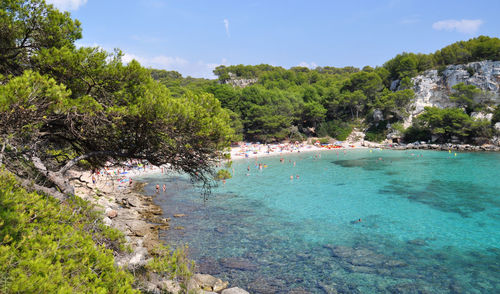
[(429, 222)]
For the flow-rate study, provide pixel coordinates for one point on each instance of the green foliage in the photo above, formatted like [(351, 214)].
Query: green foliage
[(223, 174), (29, 26), (394, 104), (172, 264), (337, 129), (47, 247), (377, 132), (476, 49), (464, 96), (496, 116), (324, 140), (417, 133), (121, 111), (241, 71), (445, 123)]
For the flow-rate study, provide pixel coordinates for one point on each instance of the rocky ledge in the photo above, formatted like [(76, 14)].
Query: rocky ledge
[(425, 146)]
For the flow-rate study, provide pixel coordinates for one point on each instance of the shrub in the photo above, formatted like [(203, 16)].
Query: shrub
[(336, 129), (172, 264), (415, 133), (377, 133), (47, 247), (223, 174)]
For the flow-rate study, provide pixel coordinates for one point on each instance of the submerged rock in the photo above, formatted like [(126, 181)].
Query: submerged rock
[(362, 259), (208, 265), (234, 290), (263, 286), (418, 242), (238, 263)]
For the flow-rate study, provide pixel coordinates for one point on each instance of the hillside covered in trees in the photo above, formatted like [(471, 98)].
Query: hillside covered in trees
[(291, 104)]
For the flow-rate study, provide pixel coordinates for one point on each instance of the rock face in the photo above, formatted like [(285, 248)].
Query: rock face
[(206, 283), (481, 116), (239, 82), (433, 88)]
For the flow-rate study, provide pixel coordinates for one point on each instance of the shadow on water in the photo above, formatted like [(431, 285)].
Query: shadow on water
[(449, 196)]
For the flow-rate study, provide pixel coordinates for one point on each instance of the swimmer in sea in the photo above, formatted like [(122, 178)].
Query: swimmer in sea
[(157, 188)]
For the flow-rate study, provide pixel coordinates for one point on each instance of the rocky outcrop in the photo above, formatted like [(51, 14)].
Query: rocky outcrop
[(240, 82), (433, 87)]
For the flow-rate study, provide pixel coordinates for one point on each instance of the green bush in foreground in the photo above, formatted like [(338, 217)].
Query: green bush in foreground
[(46, 247), (172, 264)]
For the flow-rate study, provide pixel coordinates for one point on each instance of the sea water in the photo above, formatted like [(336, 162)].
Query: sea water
[(360, 221)]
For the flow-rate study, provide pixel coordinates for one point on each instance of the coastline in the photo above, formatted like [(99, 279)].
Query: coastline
[(248, 150), (125, 207)]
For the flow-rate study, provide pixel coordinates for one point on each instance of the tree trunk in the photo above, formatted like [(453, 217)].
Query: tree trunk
[(57, 178), (61, 182), (1, 151)]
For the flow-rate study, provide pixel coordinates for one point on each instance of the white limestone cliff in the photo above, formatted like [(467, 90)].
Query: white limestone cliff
[(433, 88)]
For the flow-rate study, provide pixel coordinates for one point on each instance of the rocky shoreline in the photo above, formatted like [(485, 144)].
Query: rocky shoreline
[(126, 208), (442, 147)]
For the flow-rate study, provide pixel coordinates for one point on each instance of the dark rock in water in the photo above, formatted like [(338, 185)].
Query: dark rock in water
[(208, 265), (298, 291), (328, 289), (265, 286), (395, 263), (417, 242), (238, 263), (341, 251), (360, 258), (456, 289), (360, 269), (409, 288), (221, 230)]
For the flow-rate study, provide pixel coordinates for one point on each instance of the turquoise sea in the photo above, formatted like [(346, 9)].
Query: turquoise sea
[(429, 222)]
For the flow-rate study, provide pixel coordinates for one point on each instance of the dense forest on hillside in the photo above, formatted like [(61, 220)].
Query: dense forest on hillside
[(291, 104)]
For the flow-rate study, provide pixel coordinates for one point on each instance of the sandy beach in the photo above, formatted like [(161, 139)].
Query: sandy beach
[(251, 150)]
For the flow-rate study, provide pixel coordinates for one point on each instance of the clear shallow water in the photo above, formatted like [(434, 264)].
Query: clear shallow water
[(430, 223)]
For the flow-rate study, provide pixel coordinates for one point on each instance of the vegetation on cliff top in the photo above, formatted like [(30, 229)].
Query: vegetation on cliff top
[(327, 101)]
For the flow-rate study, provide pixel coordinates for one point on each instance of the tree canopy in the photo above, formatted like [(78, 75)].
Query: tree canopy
[(61, 105)]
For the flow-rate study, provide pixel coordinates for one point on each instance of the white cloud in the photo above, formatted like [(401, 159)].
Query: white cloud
[(311, 65), (466, 26), (226, 25), (198, 69), (67, 4)]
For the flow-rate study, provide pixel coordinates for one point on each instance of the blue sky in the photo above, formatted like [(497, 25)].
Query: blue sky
[(193, 37)]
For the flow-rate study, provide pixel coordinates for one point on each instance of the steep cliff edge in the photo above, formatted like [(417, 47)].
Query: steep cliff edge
[(433, 87)]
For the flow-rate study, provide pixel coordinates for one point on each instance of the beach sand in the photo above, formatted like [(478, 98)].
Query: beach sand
[(249, 150)]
